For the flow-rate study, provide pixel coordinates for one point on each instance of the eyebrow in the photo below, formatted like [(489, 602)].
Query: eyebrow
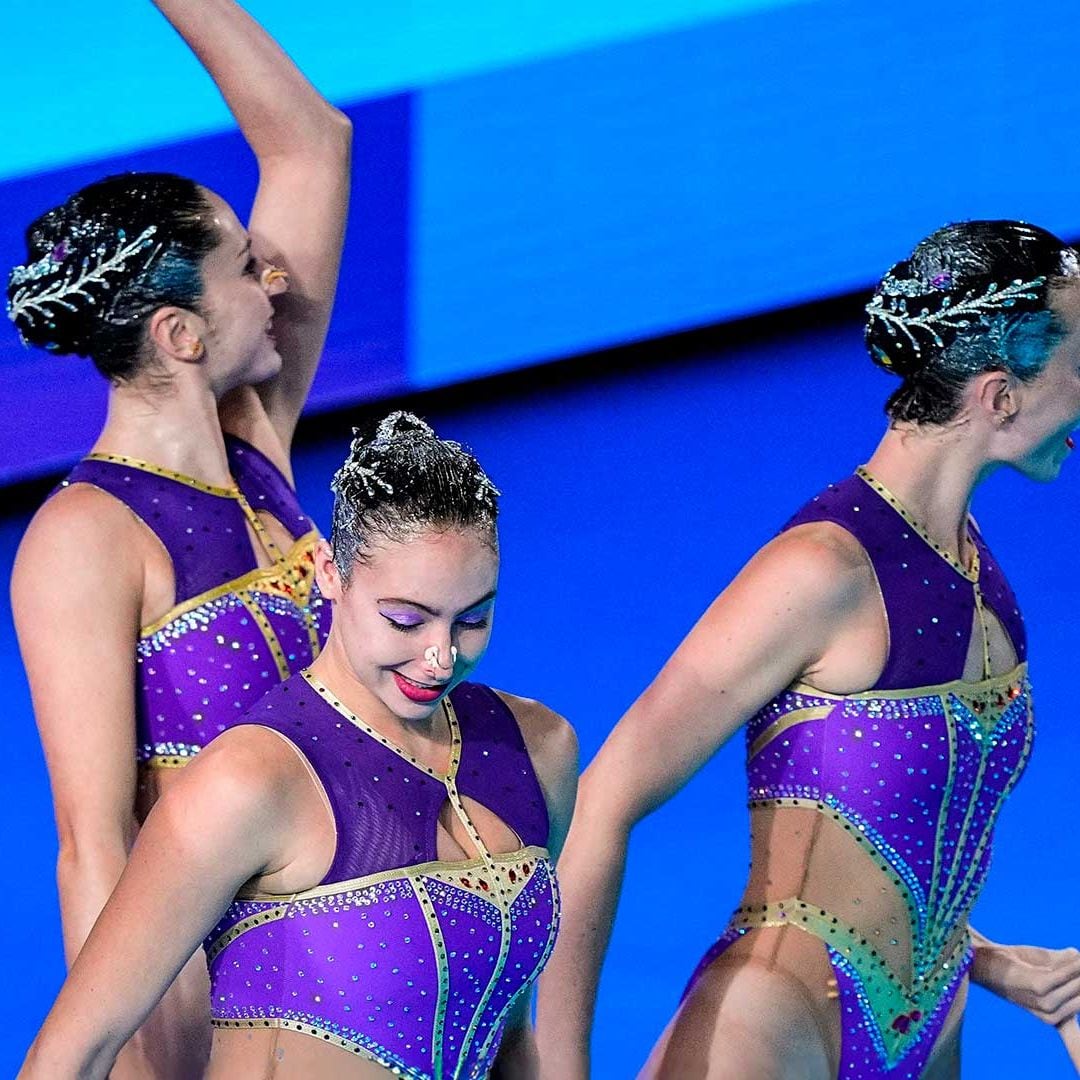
[(431, 611)]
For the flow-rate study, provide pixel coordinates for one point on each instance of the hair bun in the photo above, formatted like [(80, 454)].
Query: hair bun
[(891, 344), (401, 423)]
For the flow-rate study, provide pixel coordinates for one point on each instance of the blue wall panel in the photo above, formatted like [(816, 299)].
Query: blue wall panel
[(641, 184), (735, 167)]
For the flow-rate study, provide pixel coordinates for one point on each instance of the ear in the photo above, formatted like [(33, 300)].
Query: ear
[(996, 395), (177, 333), (327, 575)]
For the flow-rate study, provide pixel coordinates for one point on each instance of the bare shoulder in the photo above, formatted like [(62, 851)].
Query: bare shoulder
[(80, 532), (549, 737), (248, 770), (82, 516), (553, 750), (819, 559), (253, 757)]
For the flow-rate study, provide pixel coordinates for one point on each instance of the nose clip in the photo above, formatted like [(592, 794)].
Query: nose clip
[(433, 656), (275, 279)]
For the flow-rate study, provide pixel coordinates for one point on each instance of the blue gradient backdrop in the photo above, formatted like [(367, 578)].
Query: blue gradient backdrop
[(536, 187), (564, 178)]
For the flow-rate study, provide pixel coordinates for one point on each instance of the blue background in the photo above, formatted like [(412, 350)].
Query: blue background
[(570, 177), (567, 179)]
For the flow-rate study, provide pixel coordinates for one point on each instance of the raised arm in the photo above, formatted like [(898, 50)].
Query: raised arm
[(219, 825), (784, 616), (302, 144)]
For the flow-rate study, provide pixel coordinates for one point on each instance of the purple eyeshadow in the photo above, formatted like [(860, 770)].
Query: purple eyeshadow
[(403, 618)]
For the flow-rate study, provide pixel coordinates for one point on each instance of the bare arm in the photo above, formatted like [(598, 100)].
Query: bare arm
[(76, 608), (773, 624), (302, 144), (224, 821)]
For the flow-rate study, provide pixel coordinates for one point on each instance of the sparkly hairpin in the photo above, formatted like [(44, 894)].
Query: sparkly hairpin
[(486, 491), (890, 305), (364, 474), (78, 279)]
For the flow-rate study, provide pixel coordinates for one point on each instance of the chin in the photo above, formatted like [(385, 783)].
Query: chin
[(1042, 472), (265, 368)]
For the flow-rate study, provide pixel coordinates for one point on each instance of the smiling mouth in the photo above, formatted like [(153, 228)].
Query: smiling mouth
[(419, 685)]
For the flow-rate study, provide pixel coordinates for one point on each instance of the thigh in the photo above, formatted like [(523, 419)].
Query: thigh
[(762, 1009)]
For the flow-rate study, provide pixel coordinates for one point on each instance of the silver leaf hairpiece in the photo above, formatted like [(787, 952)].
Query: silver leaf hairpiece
[(890, 305), (76, 282)]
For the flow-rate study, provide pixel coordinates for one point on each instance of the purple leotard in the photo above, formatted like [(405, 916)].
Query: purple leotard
[(235, 629), (914, 772), (397, 957)]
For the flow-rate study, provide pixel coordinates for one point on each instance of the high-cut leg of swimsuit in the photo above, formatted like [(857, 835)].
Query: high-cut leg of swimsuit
[(236, 629), (397, 957), (904, 783)]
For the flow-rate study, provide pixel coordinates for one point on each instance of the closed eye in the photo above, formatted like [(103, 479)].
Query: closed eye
[(474, 622)]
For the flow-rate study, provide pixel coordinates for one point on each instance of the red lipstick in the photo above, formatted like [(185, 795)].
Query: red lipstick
[(422, 695)]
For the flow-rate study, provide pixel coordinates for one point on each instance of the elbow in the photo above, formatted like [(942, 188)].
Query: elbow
[(340, 123), (87, 852), (597, 840), (332, 133), (601, 813)]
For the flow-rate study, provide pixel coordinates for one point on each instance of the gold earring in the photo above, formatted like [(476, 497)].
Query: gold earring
[(197, 350)]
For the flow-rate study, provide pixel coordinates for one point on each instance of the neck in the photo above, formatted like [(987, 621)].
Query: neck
[(175, 425), (933, 472), (332, 668)]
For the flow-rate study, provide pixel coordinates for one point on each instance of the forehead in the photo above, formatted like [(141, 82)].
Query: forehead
[(442, 563), (233, 236), (1065, 302)]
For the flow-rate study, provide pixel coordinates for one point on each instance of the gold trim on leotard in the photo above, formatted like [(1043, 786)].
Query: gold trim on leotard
[(783, 723), (343, 710), (971, 573), (262, 579)]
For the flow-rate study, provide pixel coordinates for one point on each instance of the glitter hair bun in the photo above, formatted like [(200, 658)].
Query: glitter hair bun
[(972, 297), (100, 264), (400, 478)]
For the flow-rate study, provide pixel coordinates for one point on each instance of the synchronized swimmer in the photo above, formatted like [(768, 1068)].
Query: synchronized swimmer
[(267, 744)]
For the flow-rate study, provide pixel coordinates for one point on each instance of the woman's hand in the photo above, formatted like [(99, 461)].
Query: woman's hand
[(1046, 982)]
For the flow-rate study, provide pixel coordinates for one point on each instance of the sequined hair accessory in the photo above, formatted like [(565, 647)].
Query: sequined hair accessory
[(915, 316), (88, 279), (400, 477)]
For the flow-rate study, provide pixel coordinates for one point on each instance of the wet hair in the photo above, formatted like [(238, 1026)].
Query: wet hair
[(101, 263), (401, 478), (972, 297)]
